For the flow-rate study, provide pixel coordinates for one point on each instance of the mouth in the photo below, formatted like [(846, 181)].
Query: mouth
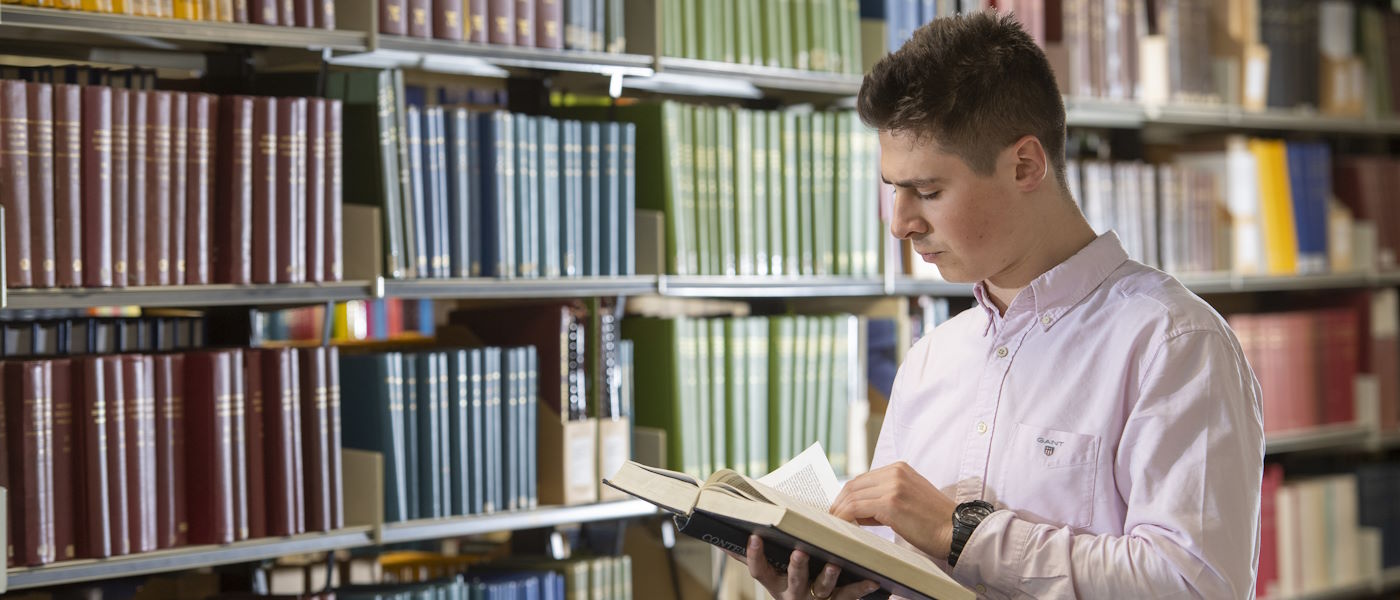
[(930, 256)]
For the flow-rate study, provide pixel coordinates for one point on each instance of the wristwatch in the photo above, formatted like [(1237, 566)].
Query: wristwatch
[(966, 517)]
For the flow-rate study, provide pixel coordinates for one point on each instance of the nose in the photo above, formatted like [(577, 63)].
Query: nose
[(906, 221)]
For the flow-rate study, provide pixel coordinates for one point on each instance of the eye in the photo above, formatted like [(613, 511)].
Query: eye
[(929, 195)]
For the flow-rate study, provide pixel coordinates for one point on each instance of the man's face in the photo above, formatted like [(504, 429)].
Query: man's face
[(962, 222)]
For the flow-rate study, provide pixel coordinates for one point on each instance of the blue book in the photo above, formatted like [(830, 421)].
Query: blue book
[(628, 223), (592, 146), (474, 223), (571, 223), (547, 182), (443, 252), (372, 420), (429, 455), (459, 192), (610, 217), (497, 194), (429, 183), (495, 494), (459, 433), (532, 418), (444, 433), (408, 386), (415, 210), (524, 186)]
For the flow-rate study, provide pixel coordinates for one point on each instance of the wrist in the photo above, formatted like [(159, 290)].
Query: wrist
[(966, 517)]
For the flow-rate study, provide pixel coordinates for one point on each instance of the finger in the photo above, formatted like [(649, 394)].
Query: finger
[(759, 568), (859, 509), (855, 591), (825, 584), (797, 573)]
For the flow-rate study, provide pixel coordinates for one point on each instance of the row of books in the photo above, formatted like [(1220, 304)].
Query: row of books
[(121, 454), (109, 187), (752, 192), (1306, 362), (293, 13), (587, 25), (810, 35), (457, 429), (494, 194), (65, 333), (353, 321), (1327, 531), (746, 393)]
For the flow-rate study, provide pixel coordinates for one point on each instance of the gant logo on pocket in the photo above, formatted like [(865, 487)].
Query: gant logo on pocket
[(1049, 445)]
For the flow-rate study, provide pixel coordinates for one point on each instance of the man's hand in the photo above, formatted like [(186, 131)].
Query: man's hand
[(898, 497), (794, 585)]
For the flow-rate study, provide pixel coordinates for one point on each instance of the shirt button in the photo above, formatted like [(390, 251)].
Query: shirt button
[(1046, 320), (981, 589), (981, 427), (1001, 352)]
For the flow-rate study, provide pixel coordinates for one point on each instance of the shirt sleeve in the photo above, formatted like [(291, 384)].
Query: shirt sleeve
[(1188, 467)]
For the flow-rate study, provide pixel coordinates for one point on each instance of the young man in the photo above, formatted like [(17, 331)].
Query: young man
[(1090, 428)]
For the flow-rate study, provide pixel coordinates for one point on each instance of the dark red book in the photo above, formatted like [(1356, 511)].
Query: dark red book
[(300, 193), (158, 186), (334, 253), (298, 461), (179, 182), (240, 11), (263, 12), (525, 23), (140, 454), (1340, 338), (200, 187), (549, 24), (118, 513), (41, 166), (447, 20), (315, 232), (287, 201), (325, 14), (14, 183), (475, 21), (238, 386), (209, 457), (92, 495), (96, 221), (281, 424), (68, 184), (287, 12), (420, 24), (337, 476), (500, 19), (1268, 527), (28, 424), (171, 525), (121, 184), (266, 184), (392, 18), (64, 465), (139, 188), (304, 12), (254, 442), (315, 438), (233, 195)]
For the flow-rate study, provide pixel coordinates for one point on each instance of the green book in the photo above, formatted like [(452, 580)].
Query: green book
[(805, 165), (699, 167), (835, 27), (875, 231), (670, 27), (690, 28), (786, 44), (802, 36), (728, 30), (723, 167), (801, 366), (616, 27), (840, 214), (758, 195), (777, 194), (704, 389), (688, 204), (714, 207), (825, 375), (852, 63), (818, 13), (370, 122), (758, 394), (826, 202), (780, 392), (719, 391), (842, 374), (742, 172), (768, 34), (740, 26), (791, 165), (736, 360), (413, 266), (858, 196), (660, 372)]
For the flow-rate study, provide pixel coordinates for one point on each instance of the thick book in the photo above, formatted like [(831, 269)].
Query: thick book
[(140, 452), (391, 17), (28, 426), (282, 452), (525, 23), (41, 188), (334, 253), (267, 187), (315, 437), (254, 442), (549, 24), (120, 183), (233, 195), (171, 524), (290, 199), (209, 462), (788, 509), (447, 20), (117, 508), (420, 23), (159, 184), (373, 405), (325, 14), (138, 185), (474, 21), (68, 184), (314, 185), (263, 12), (14, 184), (196, 264), (97, 202), (91, 489), (501, 22)]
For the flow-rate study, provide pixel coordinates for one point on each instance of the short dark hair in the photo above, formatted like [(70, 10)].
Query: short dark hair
[(974, 84)]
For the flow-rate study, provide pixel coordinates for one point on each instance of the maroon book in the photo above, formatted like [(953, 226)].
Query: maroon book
[(209, 455), (420, 24), (139, 188), (68, 183), (334, 268), (525, 23), (92, 495), (179, 182), (240, 11), (140, 471), (200, 187), (14, 183), (447, 20), (233, 195), (265, 187), (64, 465), (475, 22), (263, 12), (158, 186), (238, 426), (41, 165), (549, 24), (391, 17), (121, 184), (325, 14), (337, 475), (28, 423), (287, 12), (315, 438), (298, 462), (171, 525), (304, 12), (285, 202), (300, 194), (96, 189), (280, 426), (118, 509), (315, 232), (501, 22), (254, 441)]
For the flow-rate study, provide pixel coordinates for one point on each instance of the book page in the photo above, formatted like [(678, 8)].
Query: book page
[(808, 479)]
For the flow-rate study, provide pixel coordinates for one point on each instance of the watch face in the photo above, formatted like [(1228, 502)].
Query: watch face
[(975, 511)]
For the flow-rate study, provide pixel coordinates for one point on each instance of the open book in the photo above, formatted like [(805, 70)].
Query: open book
[(788, 509)]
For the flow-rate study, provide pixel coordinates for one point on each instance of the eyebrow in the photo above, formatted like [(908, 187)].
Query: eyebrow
[(914, 183)]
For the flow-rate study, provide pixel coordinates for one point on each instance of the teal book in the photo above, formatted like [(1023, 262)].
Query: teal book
[(610, 209), (494, 454), (415, 203), (497, 149), (525, 200), (458, 433), (510, 429), (476, 430), (459, 179), (369, 124), (571, 191), (592, 199), (548, 180), (372, 420), (408, 386), (532, 420), (444, 434), (429, 446), (628, 222)]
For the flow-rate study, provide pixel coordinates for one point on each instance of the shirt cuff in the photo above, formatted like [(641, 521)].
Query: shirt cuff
[(995, 551)]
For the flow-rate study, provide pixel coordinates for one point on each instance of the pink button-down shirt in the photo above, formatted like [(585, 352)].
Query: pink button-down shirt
[(1111, 418)]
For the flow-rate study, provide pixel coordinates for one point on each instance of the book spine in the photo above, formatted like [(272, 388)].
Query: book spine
[(28, 422), (254, 441), (179, 185), (392, 18), (475, 22), (233, 198), (121, 183), (237, 452), (170, 461), (314, 184), (501, 22), (159, 182), (285, 201), (94, 531), (139, 138), (97, 204), (335, 253), (68, 184), (63, 476), (140, 453), (117, 509), (549, 24), (41, 184), (420, 24), (14, 183), (208, 390), (315, 437), (325, 14), (304, 12), (447, 20), (280, 393), (200, 163), (525, 23), (266, 188), (336, 465)]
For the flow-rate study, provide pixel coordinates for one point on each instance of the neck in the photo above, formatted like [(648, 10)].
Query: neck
[(1055, 238)]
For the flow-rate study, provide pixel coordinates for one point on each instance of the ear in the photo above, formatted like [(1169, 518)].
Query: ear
[(1031, 165)]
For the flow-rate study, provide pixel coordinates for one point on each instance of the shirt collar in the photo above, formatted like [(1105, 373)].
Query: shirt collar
[(1054, 292)]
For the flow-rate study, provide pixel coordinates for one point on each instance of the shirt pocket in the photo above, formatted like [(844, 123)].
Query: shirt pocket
[(1050, 475)]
